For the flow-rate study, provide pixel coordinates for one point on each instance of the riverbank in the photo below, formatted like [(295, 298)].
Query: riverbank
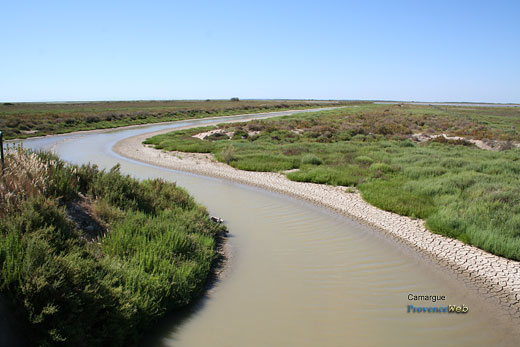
[(496, 278)]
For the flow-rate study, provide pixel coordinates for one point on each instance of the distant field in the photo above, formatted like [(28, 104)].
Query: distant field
[(460, 190), (22, 120)]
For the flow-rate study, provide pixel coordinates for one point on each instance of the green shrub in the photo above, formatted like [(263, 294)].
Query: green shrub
[(358, 138), (240, 134), (382, 167), (311, 159), (155, 257), (406, 143), (364, 160), (228, 154)]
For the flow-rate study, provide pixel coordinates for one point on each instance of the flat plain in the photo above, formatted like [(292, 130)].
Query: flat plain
[(23, 120)]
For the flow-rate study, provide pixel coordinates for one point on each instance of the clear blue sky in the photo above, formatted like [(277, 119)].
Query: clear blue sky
[(392, 50)]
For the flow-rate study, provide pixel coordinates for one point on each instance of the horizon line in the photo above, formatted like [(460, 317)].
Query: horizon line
[(255, 99)]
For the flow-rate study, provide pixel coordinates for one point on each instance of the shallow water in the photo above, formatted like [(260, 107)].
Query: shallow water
[(299, 275)]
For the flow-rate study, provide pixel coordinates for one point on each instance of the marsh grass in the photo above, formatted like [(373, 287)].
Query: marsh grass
[(459, 190), (155, 257), (23, 120)]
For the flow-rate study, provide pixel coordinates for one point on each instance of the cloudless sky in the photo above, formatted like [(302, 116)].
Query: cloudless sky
[(388, 50)]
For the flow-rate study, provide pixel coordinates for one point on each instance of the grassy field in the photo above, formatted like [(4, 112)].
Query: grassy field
[(22, 120), (461, 191), (92, 258)]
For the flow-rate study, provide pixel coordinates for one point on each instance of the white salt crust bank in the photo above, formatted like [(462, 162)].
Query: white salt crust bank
[(494, 277)]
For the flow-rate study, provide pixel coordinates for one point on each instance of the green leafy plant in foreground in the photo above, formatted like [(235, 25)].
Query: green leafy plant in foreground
[(154, 255)]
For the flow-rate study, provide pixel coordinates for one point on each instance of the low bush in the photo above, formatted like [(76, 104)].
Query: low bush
[(155, 256), (228, 154), (364, 160), (311, 159)]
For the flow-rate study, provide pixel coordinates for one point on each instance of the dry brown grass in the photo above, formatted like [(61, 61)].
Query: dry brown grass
[(24, 175)]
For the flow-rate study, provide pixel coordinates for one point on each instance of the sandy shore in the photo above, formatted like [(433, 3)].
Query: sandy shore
[(495, 278)]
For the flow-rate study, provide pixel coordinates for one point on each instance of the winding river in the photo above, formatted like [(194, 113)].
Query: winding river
[(297, 274)]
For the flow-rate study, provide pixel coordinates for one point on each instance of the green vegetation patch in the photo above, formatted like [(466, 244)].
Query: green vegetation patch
[(460, 191), (100, 273)]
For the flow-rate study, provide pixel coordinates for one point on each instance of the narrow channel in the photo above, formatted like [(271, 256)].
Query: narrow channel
[(299, 275)]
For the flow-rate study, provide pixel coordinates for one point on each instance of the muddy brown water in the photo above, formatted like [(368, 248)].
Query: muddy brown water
[(300, 275)]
